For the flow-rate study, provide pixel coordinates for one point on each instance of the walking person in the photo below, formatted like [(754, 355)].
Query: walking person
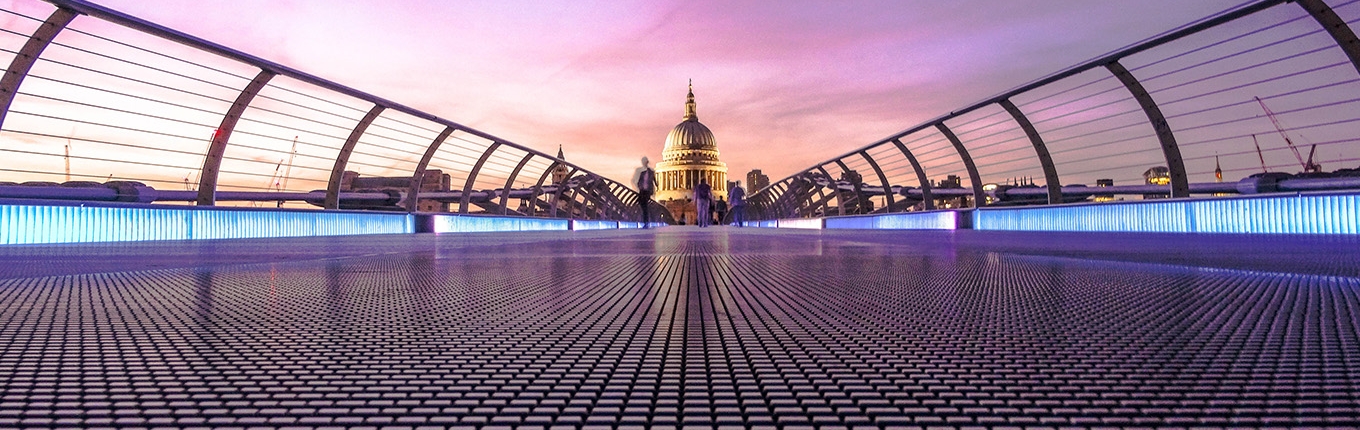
[(645, 179), (720, 209), (703, 199), (737, 198)]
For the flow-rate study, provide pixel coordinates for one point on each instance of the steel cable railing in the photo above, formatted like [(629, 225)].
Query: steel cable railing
[(1095, 126), (138, 102)]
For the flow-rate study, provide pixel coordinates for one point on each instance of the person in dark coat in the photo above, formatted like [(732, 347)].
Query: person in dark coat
[(737, 198), (720, 210), (645, 179), (703, 201)]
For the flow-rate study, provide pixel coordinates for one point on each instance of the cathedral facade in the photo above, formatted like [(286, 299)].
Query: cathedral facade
[(690, 155)]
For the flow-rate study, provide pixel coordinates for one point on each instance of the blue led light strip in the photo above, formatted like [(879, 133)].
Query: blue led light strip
[(1292, 214), (473, 224), (932, 220), (34, 223)]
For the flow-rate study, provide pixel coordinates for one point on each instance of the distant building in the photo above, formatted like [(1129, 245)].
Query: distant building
[(1218, 170), (853, 205), (1218, 176), (690, 155), (755, 180), (559, 173), (1159, 175), (434, 180), (955, 182), (559, 177), (1104, 197)]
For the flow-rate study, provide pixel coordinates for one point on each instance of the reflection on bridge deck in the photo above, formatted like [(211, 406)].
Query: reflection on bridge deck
[(679, 326)]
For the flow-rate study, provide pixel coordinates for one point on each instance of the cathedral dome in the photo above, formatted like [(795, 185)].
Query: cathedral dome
[(690, 140), (691, 135), (690, 157)]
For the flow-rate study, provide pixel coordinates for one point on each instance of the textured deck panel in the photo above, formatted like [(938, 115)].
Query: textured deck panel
[(715, 328)]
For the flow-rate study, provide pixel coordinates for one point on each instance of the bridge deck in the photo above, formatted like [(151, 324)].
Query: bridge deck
[(684, 327)]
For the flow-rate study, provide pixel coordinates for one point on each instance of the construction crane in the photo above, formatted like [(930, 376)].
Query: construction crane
[(288, 170), (274, 179), (1258, 154), (1308, 166)]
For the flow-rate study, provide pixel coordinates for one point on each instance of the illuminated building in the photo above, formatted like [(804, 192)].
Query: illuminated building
[(690, 155), (1104, 197), (951, 202), (1159, 175)]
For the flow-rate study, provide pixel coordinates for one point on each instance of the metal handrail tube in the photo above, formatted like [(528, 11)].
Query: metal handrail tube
[(1072, 71), (129, 21)]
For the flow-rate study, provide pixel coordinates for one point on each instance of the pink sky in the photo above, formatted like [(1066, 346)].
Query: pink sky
[(781, 84)]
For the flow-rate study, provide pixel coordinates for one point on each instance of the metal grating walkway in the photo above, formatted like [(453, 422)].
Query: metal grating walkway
[(713, 328)]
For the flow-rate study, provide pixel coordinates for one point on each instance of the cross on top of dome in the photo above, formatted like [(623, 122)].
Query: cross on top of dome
[(691, 113)]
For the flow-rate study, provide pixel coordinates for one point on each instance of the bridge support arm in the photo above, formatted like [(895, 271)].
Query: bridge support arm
[(928, 200), (979, 197), (28, 55), (1180, 185), (882, 178), (341, 160), (557, 197), (212, 162), (472, 177), (1040, 150), (1335, 26), (417, 178), (835, 190), (510, 182), (858, 184)]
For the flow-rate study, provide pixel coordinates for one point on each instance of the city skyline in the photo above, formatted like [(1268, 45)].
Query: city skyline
[(604, 81)]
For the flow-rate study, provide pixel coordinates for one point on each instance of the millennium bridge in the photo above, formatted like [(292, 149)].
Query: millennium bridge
[(187, 242)]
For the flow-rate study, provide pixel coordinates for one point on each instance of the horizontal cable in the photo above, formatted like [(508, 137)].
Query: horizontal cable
[(144, 66), (160, 54)]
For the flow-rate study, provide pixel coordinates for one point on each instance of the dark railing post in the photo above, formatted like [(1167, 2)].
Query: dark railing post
[(510, 182), (1180, 185), (557, 197), (538, 187), (28, 55), (1335, 26), (472, 177), (212, 161), (1040, 150), (882, 178), (341, 160), (979, 197), (835, 189), (858, 184), (928, 200), (418, 177)]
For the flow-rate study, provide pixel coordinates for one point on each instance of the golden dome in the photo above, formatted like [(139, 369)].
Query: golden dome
[(690, 156), (690, 140)]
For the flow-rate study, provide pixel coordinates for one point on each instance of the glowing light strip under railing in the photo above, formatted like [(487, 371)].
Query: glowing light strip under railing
[(474, 224), (933, 220), (801, 223), (581, 224), (24, 222), (1293, 213)]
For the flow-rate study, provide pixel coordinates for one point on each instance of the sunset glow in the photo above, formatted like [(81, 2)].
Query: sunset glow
[(782, 84)]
